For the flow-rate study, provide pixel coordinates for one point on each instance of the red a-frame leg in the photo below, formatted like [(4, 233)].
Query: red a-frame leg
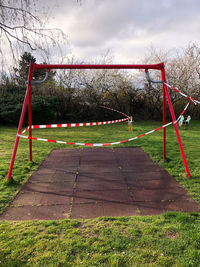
[(28, 91), (166, 93)]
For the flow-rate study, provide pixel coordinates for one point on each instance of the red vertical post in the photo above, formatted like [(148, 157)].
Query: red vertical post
[(20, 122), (175, 125), (30, 120), (164, 113)]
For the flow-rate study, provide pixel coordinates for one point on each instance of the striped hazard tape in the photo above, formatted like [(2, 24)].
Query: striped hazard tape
[(116, 111), (81, 123), (181, 93), (107, 144), (73, 124)]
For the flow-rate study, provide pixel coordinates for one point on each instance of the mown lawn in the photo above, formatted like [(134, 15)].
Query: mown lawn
[(171, 239)]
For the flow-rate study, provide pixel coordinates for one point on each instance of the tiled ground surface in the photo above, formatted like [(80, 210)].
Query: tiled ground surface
[(93, 182)]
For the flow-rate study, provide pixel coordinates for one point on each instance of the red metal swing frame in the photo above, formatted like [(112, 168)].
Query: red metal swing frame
[(28, 101)]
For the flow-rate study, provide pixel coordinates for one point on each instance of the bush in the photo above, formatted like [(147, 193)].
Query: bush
[(11, 102), (44, 108)]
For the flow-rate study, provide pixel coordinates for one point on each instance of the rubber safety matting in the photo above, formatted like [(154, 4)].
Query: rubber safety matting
[(93, 182)]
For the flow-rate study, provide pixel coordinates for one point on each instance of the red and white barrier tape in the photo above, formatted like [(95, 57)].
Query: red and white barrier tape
[(181, 93), (116, 111), (73, 124), (107, 144)]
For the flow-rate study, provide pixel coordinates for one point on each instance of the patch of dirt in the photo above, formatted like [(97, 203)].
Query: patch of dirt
[(172, 235)]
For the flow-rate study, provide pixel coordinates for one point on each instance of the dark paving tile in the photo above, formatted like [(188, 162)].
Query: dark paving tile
[(37, 177), (66, 159), (51, 212), (29, 199), (187, 205), (92, 210), (145, 175), (158, 195), (58, 166), (48, 187), (141, 168), (60, 176), (154, 208), (100, 185), (115, 195), (100, 176), (97, 150), (98, 169), (158, 207), (43, 170), (98, 157), (99, 163), (127, 154), (152, 184), (127, 164), (128, 150), (152, 180), (56, 177)]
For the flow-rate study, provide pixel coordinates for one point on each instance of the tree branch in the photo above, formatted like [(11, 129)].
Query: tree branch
[(15, 37), (20, 10)]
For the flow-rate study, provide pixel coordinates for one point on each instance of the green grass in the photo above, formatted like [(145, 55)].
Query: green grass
[(168, 240), (171, 239)]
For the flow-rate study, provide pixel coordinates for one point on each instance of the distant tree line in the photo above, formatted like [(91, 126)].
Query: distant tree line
[(77, 95)]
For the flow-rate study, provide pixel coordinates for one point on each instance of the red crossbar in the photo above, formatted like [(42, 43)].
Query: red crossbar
[(97, 66)]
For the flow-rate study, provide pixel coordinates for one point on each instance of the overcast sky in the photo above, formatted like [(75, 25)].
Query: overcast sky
[(126, 28)]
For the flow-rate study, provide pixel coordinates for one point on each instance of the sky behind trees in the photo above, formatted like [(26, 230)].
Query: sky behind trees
[(125, 28)]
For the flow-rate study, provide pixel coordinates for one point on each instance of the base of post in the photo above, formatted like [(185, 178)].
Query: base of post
[(10, 181)]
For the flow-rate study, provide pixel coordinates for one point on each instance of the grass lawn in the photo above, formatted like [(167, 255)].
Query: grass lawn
[(171, 239)]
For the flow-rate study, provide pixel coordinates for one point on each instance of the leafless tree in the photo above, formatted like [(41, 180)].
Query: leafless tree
[(23, 26), (182, 71)]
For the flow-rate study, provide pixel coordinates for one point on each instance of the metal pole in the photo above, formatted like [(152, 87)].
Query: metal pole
[(20, 122), (30, 120), (177, 131), (98, 66), (164, 113)]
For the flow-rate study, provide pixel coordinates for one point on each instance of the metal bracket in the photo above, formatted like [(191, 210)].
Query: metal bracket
[(38, 82), (149, 79)]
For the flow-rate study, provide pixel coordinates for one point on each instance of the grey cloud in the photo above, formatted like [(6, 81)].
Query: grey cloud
[(107, 20), (103, 24)]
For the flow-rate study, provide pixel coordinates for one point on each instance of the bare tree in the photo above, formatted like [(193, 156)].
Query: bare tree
[(182, 71), (182, 66), (21, 25)]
